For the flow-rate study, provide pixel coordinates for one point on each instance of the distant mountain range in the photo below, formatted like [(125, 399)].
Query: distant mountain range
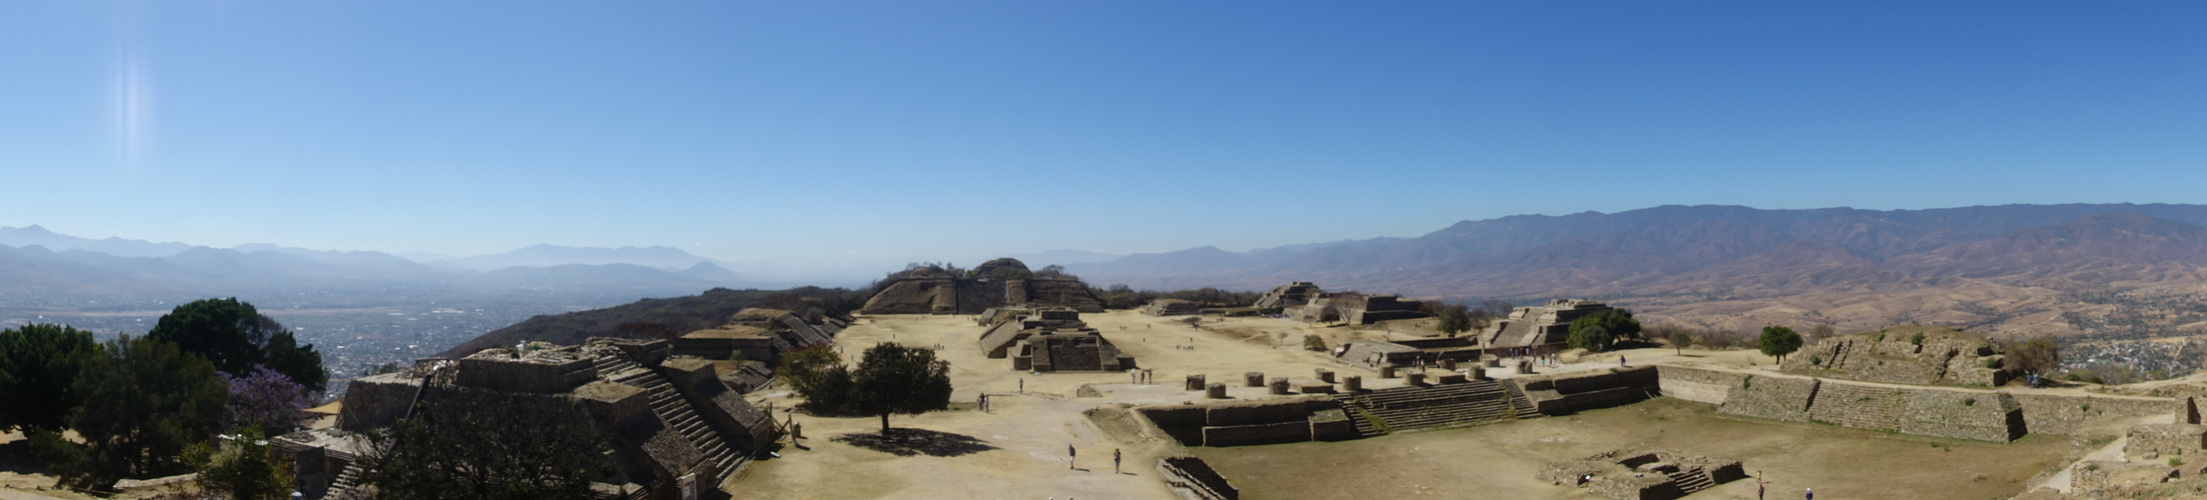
[(40, 268), (2067, 269), (1998, 267)]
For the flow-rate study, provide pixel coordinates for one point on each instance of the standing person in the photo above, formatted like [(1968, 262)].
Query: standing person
[(1115, 460), (1022, 385), (1812, 494), (1071, 455)]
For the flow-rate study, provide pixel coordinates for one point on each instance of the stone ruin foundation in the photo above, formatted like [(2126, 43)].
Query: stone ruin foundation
[(1641, 473)]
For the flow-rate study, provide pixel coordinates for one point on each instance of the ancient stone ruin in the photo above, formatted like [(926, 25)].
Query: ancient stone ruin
[(1643, 473), (1355, 308), (996, 283), (1281, 297), (1171, 307), (1910, 354), (1538, 327), (1053, 339), (1405, 352), (756, 334), (665, 416)]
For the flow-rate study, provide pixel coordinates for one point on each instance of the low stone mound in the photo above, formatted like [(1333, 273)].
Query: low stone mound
[(1171, 307), (1643, 473), (1908, 354)]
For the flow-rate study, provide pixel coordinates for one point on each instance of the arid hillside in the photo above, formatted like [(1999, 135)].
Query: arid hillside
[(2084, 271)]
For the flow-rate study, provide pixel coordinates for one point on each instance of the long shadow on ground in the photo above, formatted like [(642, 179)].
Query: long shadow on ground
[(909, 442)]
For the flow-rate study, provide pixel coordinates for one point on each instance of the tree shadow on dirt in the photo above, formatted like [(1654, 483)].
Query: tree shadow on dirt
[(910, 442), (16, 456)]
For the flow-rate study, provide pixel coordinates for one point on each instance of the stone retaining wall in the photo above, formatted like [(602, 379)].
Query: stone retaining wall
[(1776, 398), (377, 401), (1192, 474), (2066, 414), (1697, 385), (1263, 421), (532, 376), (2168, 440), (1240, 435)]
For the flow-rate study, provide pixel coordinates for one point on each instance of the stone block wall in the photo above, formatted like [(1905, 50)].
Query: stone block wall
[(2165, 439), (975, 296), (1248, 422), (1332, 425), (1240, 435), (377, 401), (1859, 406), (1183, 423), (1930, 411), (2066, 414), (1259, 412), (1193, 474), (1578, 402), (526, 376), (1963, 415), (1776, 398), (1645, 377), (1697, 385)]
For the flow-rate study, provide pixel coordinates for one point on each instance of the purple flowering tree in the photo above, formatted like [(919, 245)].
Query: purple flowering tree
[(266, 398)]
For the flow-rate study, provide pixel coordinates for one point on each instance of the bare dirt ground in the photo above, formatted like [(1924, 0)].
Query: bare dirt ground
[(1499, 461), (1018, 449)]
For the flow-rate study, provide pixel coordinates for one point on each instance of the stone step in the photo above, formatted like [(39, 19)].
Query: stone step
[(1692, 480)]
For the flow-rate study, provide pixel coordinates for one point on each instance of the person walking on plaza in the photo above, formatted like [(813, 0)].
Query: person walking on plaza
[(1115, 460), (1071, 455)]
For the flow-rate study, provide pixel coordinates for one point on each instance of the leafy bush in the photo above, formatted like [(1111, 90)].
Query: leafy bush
[(1314, 343), (243, 468)]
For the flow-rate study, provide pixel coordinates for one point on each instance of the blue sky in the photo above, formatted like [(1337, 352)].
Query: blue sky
[(951, 129)]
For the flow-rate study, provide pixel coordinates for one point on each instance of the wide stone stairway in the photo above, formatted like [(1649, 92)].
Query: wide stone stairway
[(675, 411), (1692, 479), (1400, 409)]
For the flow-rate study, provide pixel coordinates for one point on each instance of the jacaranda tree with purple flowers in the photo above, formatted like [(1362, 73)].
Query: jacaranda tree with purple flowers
[(265, 398)]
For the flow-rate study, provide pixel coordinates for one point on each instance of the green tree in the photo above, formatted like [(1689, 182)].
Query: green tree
[(144, 401), (1597, 331), (1618, 322), (898, 379), (1591, 337), (1779, 341), (818, 374), (488, 445), (2040, 355), (243, 468), (1314, 343), (1454, 319), (235, 337), (1681, 339), (39, 365)]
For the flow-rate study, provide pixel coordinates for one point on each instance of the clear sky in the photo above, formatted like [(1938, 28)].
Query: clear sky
[(757, 129)]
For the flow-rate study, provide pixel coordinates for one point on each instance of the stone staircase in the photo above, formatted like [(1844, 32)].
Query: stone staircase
[(342, 487), (610, 365), (679, 416), (1436, 406), (1691, 480)]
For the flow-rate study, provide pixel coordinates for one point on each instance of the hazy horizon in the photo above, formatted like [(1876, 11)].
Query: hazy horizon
[(889, 131)]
